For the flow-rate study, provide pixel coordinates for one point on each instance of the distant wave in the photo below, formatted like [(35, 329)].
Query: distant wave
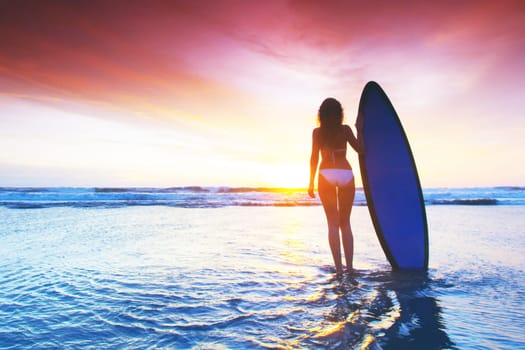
[(24, 189), (194, 189), (260, 189), (483, 201), (112, 190), (215, 197), (512, 188)]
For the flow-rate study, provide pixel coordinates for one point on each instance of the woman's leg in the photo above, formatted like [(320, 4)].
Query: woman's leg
[(328, 195), (346, 201)]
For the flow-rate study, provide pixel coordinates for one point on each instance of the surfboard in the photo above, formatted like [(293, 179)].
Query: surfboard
[(391, 182)]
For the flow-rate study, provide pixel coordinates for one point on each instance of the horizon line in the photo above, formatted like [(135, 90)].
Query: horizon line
[(236, 187)]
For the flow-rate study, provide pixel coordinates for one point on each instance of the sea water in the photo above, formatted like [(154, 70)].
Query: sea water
[(221, 268)]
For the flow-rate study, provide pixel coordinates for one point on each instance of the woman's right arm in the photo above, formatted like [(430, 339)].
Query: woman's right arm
[(314, 161), (354, 141)]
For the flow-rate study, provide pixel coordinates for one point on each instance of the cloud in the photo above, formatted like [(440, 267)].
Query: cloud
[(187, 55)]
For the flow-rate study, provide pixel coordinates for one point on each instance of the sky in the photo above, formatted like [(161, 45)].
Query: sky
[(225, 93)]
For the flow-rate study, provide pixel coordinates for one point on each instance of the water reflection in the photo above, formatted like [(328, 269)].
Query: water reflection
[(419, 325), (383, 310)]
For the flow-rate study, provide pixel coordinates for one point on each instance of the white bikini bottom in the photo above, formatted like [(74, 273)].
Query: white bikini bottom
[(337, 177)]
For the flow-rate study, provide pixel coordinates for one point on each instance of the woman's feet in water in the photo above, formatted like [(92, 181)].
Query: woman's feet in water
[(346, 271), (351, 271), (338, 272)]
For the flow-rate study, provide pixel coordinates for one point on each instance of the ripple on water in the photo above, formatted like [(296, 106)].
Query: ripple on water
[(129, 286), (273, 310)]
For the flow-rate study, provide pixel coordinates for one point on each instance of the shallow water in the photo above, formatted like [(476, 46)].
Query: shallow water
[(254, 277)]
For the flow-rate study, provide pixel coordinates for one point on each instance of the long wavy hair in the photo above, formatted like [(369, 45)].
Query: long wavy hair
[(330, 118)]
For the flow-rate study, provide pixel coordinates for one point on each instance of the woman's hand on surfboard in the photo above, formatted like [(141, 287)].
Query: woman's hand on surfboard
[(361, 145), (359, 121)]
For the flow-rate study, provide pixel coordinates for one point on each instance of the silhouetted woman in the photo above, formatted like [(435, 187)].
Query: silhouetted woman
[(336, 184)]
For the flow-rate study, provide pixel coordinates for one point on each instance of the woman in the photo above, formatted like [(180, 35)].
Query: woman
[(336, 184)]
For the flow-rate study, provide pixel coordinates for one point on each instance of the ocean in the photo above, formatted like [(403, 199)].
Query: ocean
[(238, 268), (217, 197)]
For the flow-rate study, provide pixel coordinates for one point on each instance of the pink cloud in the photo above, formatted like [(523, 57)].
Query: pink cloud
[(164, 49)]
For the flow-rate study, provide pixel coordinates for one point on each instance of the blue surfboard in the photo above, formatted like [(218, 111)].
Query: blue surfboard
[(391, 183)]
